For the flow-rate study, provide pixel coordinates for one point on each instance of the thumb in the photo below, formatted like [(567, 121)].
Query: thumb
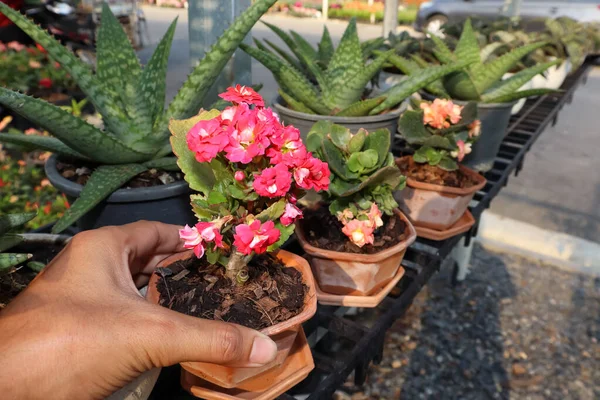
[(177, 337)]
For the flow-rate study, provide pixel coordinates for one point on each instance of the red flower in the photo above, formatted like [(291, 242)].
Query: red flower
[(2, 183), (47, 208), (312, 173), (46, 83), (291, 214), (242, 94), (206, 139), (273, 182), (255, 237), (210, 233), (40, 48), (287, 147)]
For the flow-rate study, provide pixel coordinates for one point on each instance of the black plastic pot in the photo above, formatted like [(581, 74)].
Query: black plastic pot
[(304, 121), (167, 203)]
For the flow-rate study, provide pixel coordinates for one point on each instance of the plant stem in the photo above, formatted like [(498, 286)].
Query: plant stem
[(237, 263)]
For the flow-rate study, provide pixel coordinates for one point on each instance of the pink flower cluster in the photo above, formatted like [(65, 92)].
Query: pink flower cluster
[(360, 229), (441, 113), (201, 235)]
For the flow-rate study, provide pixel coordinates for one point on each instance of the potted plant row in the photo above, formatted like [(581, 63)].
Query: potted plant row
[(131, 173), (356, 237), (248, 170), (332, 83), (439, 189)]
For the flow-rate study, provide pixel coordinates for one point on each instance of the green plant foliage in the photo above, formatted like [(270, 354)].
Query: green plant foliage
[(8, 222), (130, 98), (363, 169)]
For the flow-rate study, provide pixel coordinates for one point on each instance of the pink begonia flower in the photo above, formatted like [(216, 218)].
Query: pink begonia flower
[(451, 110), (312, 173), (267, 115), (239, 176), (475, 128), (375, 216), (210, 233), (192, 240), (16, 46), (436, 114), (35, 64), (345, 216), (255, 237), (243, 94), (288, 147), (206, 139), (227, 115), (2, 47), (248, 136), (359, 232), (463, 150), (291, 214), (273, 182)]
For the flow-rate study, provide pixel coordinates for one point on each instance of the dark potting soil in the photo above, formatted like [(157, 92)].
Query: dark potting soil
[(324, 231), (153, 177), (432, 174), (273, 293), (14, 283)]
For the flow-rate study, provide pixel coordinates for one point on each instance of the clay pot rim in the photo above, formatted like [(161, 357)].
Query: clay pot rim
[(310, 299), (415, 184), (364, 258)]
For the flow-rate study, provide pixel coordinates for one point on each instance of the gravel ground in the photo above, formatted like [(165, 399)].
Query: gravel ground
[(515, 329)]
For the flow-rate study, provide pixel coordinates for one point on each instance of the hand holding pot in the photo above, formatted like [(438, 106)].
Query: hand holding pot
[(82, 325)]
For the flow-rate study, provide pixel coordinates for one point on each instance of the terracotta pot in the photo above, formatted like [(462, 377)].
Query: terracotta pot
[(436, 206), (283, 334), (356, 274)]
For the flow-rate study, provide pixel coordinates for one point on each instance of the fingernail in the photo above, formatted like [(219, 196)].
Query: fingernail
[(263, 350)]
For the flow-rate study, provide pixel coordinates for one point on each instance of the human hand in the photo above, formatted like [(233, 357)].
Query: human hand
[(82, 326)]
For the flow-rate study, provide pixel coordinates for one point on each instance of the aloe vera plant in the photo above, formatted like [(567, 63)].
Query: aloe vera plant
[(362, 168), (9, 240), (129, 98), (333, 81), (482, 81)]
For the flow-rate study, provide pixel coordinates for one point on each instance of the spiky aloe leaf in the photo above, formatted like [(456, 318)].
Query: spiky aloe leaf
[(8, 241), (283, 54), (290, 79), (442, 51), (153, 81), (354, 87), (165, 164), (304, 47), (513, 83), (467, 48), (493, 71), (103, 182), (361, 108), (199, 176), (11, 221), (112, 114), (402, 90), (41, 143), (10, 260), (72, 131), (369, 46), (326, 48), (520, 95), (347, 60), (406, 66), (188, 100), (287, 39), (293, 104)]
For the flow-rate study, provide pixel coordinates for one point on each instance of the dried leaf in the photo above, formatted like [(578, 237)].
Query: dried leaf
[(181, 275), (267, 303)]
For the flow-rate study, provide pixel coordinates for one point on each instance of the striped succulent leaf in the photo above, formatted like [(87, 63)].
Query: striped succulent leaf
[(361, 108), (10, 260), (347, 59), (287, 39), (520, 95), (165, 164), (11, 221), (41, 143), (9, 240), (102, 183), (283, 54), (294, 104), (326, 48), (304, 47)]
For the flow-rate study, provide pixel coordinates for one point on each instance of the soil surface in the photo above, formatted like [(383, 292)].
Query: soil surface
[(516, 328), (432, 174), (273, 293), (14, 283), (81, 173), (324, 231)]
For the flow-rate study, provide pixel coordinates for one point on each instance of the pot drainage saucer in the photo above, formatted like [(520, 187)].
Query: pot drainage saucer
[(461, 226), (372, 301), (294, 369)]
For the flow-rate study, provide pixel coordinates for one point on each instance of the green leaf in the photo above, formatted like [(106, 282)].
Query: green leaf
[(293, 104), (368, 158), (419, 157), (216, 197), (188, 100), (442, 51), (286, 232), (336, 161), (326, 48), (8, 241), (72, 131), (41, 143), (212, 256), (199, 176), (165, 164), (338, 186), (436, 141), (460, 86), (103, 182), (11, 221), (407, 67), (433, 156), (340, 136), (467, 48), (381, 142), (283, 54), (448, 164), (385, 176), (347, 60), (489, 50), (36, 266), (287, 39), (304, 48), (411, 127), (519, 95), (273, 212), (357, 141), (318, 132), (402, 90), (361, 108), (10, 260)]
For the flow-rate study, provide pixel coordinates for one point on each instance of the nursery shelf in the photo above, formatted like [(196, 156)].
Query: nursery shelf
[(341, 346)]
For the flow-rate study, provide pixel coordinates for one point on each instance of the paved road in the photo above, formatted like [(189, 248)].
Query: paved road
[(559, 188)]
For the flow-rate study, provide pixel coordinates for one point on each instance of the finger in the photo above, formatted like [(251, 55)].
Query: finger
[(176, 338)]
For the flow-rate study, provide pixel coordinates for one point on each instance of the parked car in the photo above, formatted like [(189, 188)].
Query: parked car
[(435, 13)]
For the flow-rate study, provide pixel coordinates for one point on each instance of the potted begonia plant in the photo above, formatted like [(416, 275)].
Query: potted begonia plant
[(439, 189), (249, 169), (357, 237)]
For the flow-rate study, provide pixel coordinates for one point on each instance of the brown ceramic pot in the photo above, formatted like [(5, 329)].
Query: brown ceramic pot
[(435, 206), (356, 274), (283, 334)]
